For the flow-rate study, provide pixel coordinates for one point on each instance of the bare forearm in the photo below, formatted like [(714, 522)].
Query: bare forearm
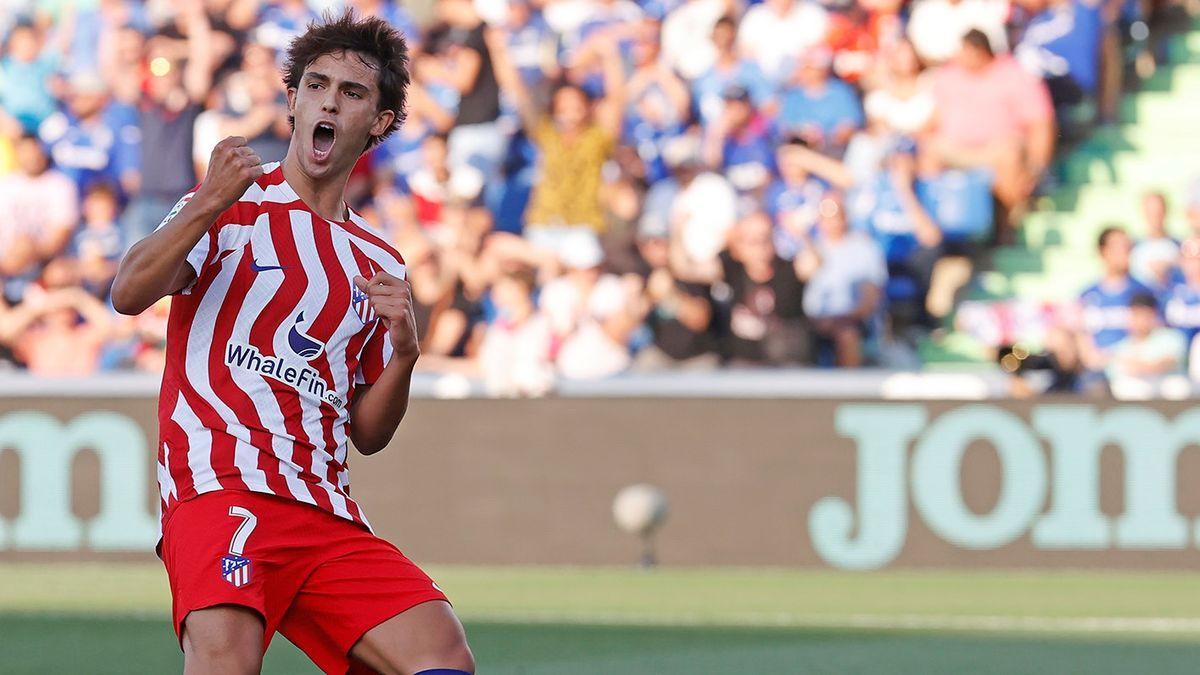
[(154, 267), (377, 412)]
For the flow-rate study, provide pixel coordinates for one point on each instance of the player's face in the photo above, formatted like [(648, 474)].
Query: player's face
[(336, 111)]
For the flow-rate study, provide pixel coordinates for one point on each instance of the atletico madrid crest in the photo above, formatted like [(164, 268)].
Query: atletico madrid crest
[(362, 306), (235, 569)]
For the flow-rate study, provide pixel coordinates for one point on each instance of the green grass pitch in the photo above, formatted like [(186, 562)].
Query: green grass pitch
[(112, 619)]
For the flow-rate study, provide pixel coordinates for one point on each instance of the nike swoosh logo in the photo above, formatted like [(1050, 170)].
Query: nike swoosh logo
[(255, 267)]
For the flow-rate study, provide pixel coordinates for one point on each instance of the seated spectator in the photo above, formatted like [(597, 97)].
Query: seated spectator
[(993, 114), (1147, 354), (903, 102), (97, 245), (254, 108), (58, 332), (792, 200), (740, 143), (658, 103), (819, 107), (888, 208), (678, 313), (94, 139), (1181, 302), (436, 182), (775, 32), (28, 72), (575, 141), (728, 69), (592, 314), (764, 322), (701, 207), (517, 348), (40, 208), (1105, 304), (937, 27), (1155, 256), (846, 278), (1059, 42)]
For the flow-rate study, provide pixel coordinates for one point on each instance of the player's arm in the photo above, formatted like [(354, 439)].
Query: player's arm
[(377, 409), (157, 265)]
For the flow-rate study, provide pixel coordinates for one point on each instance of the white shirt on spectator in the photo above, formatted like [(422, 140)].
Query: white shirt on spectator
[(902, 115), (586, 351), (687, 37), (33, 205), (705, 210), (937, 27), (845, 267), (774, 41), (516, 358)]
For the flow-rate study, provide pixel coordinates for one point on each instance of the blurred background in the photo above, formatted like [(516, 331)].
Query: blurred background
[(886, 307)]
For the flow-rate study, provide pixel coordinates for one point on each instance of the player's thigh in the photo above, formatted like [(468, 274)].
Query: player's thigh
[(222, 639), (423, 637)]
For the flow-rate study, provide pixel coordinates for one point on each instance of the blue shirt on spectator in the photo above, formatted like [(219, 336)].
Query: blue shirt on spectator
[(101, 151), (793, 206), (707, 89), (959, 201), (1181, 305), (1062, 41), (25, 89), (834, 106), (748, 156), (876, 209), (528, 46), (1106, 310)]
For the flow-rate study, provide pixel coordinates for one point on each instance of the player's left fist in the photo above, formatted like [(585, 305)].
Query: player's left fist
[(391, 297)]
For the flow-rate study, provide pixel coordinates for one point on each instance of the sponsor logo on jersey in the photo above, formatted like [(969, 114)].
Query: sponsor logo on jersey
[(306, 378), (255, 266), (235, 569), (304, 345)]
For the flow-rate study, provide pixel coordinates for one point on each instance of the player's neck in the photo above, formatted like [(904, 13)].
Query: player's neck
[(324, 196)]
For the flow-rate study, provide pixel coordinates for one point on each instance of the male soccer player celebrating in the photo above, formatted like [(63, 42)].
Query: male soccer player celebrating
[(291, 332)]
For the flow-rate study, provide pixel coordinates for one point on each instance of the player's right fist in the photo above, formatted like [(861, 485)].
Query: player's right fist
[(232, 167)]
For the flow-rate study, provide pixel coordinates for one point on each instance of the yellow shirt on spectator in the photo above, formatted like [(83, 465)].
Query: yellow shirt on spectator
[(568, 192)]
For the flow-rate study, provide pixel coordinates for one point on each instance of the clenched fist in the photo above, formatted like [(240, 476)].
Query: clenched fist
[(392, 299), (232, 167)]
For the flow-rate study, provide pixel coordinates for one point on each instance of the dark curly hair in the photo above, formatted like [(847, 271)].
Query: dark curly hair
[(374, 40)]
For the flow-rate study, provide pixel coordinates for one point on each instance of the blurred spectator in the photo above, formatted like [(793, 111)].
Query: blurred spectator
[(436, 182), (937, 27), (992, 114), (179, 80), (776, 32), (254, 107), (94, 139), (687, 45), (1148, 353), (58, 332), (28, 75), (793, 199), (1058, 42), (516, 353), (1105, 304), (846, 275), (40, 210), (658, 103), (903, 102), (97, 245), (729, 69), (765, 323), (740, 143), (1155, 256), (819, 107), (1181, 304)]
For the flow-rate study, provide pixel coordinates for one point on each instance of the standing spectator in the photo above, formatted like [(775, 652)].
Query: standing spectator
[(39, 207), (685, 35), (459, 56), (1155, 256), (740, 143), (775, 32), (658, 103), (729, 68), (993, 114), (575, 141), (1147, 354), (765, 322), (937, 27), (94, 140), (819, 107), (176, 89), (27, 74), (846, 279), (532, 45), (1105, 304)]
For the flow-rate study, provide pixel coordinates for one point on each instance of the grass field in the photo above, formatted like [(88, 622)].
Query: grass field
[(112, 619)]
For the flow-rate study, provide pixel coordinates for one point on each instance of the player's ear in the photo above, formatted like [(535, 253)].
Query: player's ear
[(291, 98), (383, 120)]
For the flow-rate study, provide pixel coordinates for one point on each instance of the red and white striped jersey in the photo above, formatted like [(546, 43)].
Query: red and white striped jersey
[(264, 351)]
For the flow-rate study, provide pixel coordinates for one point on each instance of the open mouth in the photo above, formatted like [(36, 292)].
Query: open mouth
[(323, 137)]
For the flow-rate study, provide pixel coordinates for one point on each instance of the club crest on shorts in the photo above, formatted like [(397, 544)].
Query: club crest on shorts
[(235, 569), (362, 306)]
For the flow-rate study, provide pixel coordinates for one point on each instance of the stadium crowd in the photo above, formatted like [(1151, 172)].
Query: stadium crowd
[(582, 187)]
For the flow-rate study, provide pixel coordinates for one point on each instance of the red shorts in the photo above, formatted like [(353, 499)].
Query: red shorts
[(321, 581)]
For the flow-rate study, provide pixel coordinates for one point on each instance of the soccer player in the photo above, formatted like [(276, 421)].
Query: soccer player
[(291, 332)]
